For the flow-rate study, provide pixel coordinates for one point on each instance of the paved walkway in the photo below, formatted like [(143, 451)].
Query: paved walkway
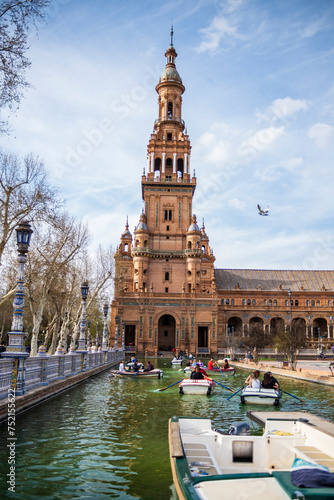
[(311, 371)]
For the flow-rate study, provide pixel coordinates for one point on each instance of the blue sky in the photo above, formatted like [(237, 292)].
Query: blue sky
[(258, 106)]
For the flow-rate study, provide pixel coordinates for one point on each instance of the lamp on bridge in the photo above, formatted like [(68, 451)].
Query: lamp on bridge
[(105, 327), (16, 336), (82, 338)]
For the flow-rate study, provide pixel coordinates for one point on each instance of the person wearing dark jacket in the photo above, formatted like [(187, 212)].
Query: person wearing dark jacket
[(197, 374), (269, 382)]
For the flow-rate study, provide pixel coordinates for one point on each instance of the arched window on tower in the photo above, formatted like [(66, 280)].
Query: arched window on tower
[(169, 168), (166, 276), (203, 248), (170, 109), (157, 164), (180, 167), (189, 245), (126, 247)]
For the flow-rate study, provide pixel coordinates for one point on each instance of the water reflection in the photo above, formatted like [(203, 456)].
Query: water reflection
[(108, 438)]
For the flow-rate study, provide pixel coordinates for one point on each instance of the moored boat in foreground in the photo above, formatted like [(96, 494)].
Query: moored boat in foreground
[(197, 386), (260, 396), (286, 462)]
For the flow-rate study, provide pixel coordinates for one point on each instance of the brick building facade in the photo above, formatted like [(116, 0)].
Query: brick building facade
[(167, 292)]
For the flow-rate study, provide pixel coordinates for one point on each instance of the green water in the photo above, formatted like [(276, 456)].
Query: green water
[(108, 438)]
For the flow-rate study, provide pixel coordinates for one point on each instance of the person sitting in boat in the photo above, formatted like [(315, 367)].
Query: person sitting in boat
[(197, 374), (253, 380), (201, 370), (199, 362), (269, 382), (194, 363), (211, 363), (135, 366), (121, 366), (188, 363), (149, 368), (226, 364)]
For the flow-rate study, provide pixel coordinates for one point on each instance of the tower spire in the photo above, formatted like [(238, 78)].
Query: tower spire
[(171, 35)]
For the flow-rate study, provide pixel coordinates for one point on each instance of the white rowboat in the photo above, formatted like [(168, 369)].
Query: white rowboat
[(202, 387), (260, 396), (208, 464)]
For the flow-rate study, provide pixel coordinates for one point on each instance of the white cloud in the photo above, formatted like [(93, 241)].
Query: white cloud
[(263, 138), (213, 34), (236, 203), (323, 135), (287, 106), (294, 163)]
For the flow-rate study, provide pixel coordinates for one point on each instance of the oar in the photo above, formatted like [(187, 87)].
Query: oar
[(236, 392), (136, 374), (168, 386), (215, 381), (296, 397)]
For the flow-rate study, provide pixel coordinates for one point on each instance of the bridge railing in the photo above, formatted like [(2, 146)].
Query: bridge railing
[(41, 370)]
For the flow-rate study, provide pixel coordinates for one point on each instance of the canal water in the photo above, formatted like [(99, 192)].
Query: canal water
[(108, 438)]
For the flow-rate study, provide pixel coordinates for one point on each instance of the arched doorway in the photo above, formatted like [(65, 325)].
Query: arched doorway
[(166, 332)]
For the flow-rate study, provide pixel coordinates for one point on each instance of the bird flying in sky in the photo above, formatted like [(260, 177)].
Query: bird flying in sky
[(263, 212)]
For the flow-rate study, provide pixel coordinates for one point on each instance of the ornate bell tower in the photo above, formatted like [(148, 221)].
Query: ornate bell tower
[(170, 274)]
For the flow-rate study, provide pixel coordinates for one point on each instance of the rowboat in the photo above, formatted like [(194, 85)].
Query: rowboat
[(283, 463), (260, 396), (219, 371), (139, 374), (176, 361), (196, 386)]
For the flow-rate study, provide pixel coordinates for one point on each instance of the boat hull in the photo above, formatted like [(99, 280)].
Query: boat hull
[(208, 464), (202, 387), (228, 371), (260, 396), (140, 374)]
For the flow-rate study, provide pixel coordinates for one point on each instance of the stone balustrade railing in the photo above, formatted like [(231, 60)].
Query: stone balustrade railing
[(41, 370)]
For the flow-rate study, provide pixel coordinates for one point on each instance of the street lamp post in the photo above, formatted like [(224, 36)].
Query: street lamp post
[(15, 348), (105, 327), (291, 347), (82, 338)]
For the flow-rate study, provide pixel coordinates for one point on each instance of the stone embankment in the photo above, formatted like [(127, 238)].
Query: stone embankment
[(40, 394)]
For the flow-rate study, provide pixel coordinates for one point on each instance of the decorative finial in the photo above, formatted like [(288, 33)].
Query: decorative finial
[(127, 223), (171, 35)]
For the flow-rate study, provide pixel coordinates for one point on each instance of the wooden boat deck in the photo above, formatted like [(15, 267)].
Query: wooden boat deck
[(260, 418)]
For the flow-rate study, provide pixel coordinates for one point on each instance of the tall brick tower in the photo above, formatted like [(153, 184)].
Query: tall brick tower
[(165, 293)]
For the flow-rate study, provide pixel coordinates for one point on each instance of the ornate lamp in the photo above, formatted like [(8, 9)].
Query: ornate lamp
[(82, 338), (16, 336)]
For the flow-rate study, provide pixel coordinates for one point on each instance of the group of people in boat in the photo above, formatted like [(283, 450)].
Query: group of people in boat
[(135, 365), (269, 382)]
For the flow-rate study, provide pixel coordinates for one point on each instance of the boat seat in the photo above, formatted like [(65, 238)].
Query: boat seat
[(314, 455), (284, 480), (198, 454)]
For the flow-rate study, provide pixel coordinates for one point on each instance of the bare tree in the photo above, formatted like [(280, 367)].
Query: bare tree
[(49, 261), (16, 18), (25, 193), (256, 339), (290, 342)]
